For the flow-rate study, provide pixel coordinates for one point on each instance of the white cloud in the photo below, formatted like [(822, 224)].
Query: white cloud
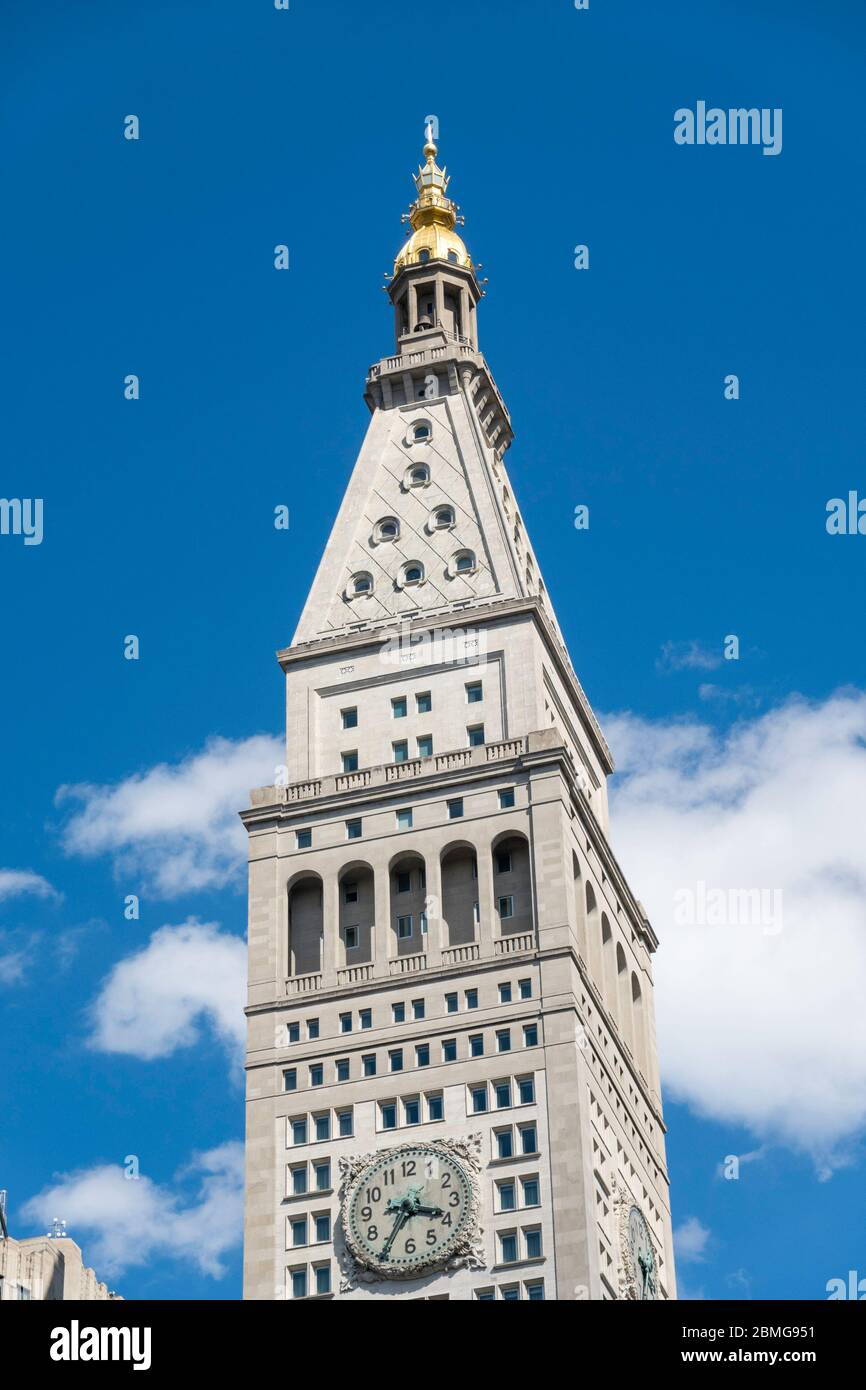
[(122, 1222), (158, 1000), (690, 1241), (175, 826), (13, 963), (18, 882), (688, 656), (757, 1028)]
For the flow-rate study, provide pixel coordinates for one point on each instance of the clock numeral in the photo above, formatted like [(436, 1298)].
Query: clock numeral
[(454, 1199), (366, 1213), (409, 1169), (389, 1177), (374, 1194), (431, 1237), (410, 1247), (372, 1233), (446, 1219), (446, 1179)]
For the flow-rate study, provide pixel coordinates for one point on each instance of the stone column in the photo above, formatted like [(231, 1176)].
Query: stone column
[(330, 930), (382, 918), (486, 904), (433, 871)]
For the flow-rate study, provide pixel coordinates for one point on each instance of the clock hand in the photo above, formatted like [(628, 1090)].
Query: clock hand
[(402, 1218), (426, 1211)]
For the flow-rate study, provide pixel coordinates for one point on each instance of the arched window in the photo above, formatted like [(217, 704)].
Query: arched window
[(419, 475), (424, 256), (464, 562), (388, 529), (413, 573), (421, 432), (361, 584), (452, 256), (443, 518)]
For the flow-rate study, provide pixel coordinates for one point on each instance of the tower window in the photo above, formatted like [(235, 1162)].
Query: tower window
[(421, 432), (350, 761), (361, 584), (443, 517), (351, 938), (349, 718), (419, 476), (452, 256), (424, 256), (413, 573), (388, 529), (464, 562)]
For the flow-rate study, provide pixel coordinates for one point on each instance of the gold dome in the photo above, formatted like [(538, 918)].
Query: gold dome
[(433, 217)]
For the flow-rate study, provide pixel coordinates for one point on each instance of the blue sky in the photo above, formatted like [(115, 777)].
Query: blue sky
[(155, 257)]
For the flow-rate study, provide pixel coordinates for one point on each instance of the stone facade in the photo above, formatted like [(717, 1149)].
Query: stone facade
[(442, 945)]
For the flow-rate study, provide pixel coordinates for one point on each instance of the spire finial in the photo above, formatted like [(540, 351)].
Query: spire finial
[(430, 150)]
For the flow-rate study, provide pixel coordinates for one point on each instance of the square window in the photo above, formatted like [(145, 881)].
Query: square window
[(322, 1126), (401, 751), (503, 861), (525, 989), (507, 1247), (398, 707), (353, 829), (533, 1244), (472, 998), (299, 1283), (504, 1144), (506, 798), (511, 1294), (422, 1055), (455, 808), (351, 938), (435, 1108), (505, 994), (349, 718), (422, 920), (298, 1230), (350, 891), (323, 1227), (528, 1139), (299, 1180), (345, 1023), (398, 1012), (478, 1096), (290, 1080), (323, 1279), (345, 1126), (474, 693), (451, 1003), (530, 1035), (322, 1171), (476, 1045), (418, 1008), (368, 1064), (294, 1032), (502, 1090), (535, 1292), (343, 1069), (317, 1074), (350, 761), (312, 1029), (505, 907), (388, 1114), (529, 1192), (423, 702), (526, 1090), (395, 1059), (503, 1040), (449, 1050), (404, 882), (299, 1131), (485, 1295), (366, 1017), (475, 735), (425, 746), (303, 839), (412, 1111), (404, 820), (507, 1196), (404, 927)]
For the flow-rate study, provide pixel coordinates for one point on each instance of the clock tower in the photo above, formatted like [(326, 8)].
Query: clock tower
[(452, 1081)]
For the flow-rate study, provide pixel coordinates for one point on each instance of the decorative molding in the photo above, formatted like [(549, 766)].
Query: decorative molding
[(630, 1281)]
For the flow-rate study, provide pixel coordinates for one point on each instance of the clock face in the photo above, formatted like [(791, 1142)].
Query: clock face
[(643, 1255), (408, 1210)]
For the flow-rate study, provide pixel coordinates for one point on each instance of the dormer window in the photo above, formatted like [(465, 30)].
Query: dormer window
[(443, 518), (388, 529), (361, 584), (419, 475), (424, 256), (413, 573), (420, 432), (452, 256)]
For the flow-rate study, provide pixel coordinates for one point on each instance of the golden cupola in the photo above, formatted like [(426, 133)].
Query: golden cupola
[(433, 217)]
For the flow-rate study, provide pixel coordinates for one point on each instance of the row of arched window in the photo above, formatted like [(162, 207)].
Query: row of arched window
[(619, 986), (413, 572)]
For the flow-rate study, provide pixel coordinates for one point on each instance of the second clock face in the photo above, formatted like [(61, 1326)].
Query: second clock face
[(408, 1209), (642, 1254)]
